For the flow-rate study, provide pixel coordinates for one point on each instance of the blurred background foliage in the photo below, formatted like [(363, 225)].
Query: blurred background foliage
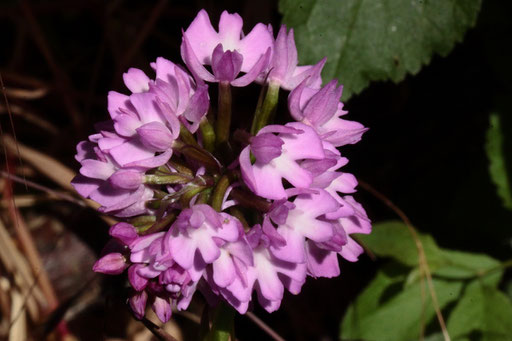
[(430, 78)]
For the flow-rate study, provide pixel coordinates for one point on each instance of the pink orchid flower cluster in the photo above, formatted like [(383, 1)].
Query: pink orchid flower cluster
[(208, 207)]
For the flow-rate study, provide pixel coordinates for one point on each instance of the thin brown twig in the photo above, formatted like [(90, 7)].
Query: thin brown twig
[(265, 327), (159, 332), (62, 82), (32, 254), (422, 259), (10, 119), (143, 33), (42, 188)]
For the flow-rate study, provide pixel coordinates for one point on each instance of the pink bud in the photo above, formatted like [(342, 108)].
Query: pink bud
[(138, 282), (266, 147), (138, 304), (126, 179), (111, 264), (162, 309), (125, 232), (155, 135)]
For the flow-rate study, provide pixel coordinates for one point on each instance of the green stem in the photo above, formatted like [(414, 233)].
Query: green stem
[(264, 113), (159, 225), (166, 179), (218, 193), (223, 324), (208, 134), (223, 122)]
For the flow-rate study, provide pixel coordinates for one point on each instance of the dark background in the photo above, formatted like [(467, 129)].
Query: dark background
[(425, 149)]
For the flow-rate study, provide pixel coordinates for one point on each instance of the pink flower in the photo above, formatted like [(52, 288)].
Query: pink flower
[(265, 177), (322, 109), (283, 66)]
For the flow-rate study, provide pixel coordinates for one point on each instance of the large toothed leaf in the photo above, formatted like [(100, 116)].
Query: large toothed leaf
[(376, 39)]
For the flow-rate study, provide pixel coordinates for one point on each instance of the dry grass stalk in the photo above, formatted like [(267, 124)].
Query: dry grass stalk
[(18, 328), (14, 262), (48, 166)]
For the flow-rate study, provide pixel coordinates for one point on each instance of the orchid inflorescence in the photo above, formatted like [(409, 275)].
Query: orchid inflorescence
[(209, 207)]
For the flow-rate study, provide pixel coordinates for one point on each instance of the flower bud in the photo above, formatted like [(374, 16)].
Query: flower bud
[(266, 147), (126, 179), (155, 135), (111, 264)]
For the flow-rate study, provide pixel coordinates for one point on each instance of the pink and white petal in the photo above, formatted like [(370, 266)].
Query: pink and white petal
[(116, 101), (293, 250), (224, 272), (96, 169), (193, 63), (146, 107), (207, 247), (202, 36), (253, 73), (164, 69), (351, 250), (230, 31), (129, 152), (269, 283), (291, 171), (162, 309), (136, 80), (262, 180), (84, 185), (126, 200), (307, 145), (183, 250), (320, 262), (126, 125), (253, 45)]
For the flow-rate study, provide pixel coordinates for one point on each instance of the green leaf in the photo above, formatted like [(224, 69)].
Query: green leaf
[(497, 160), (465, 265), (393, 239), (388, 311), (483, 310), (376, 39), (223, 327)]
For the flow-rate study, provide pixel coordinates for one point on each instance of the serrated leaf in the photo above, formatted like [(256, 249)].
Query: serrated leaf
[(497, 160), (393, 239), (465, 265), (374, 317), (376, 40), (484, 310)]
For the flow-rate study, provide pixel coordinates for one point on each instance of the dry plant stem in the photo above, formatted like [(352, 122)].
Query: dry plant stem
[(30, 117), (422, 259), (141, 37), (10, 118), (49, 191), (275, 336), (18, 329), (48, 166), (62, 82), (157, 331), (33, 256), (17, 266)]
